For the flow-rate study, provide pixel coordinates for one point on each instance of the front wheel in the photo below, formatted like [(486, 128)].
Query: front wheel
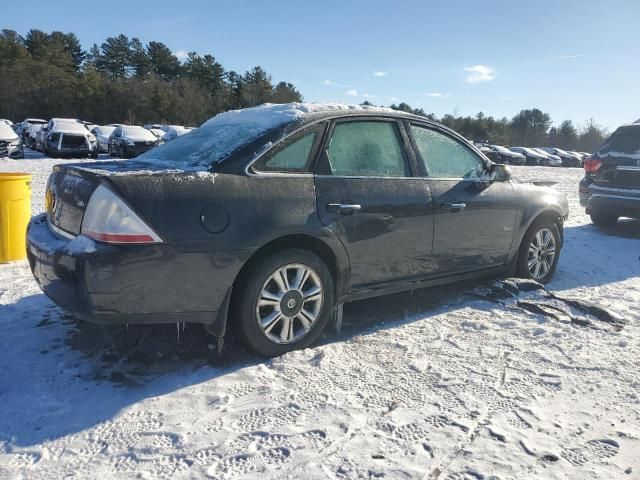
[(284, 302), (539, 252)]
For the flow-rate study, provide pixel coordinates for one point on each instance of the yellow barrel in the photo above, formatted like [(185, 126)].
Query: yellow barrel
[(15, 212)]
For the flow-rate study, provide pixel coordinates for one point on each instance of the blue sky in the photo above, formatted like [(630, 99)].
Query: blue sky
[(573, 59)]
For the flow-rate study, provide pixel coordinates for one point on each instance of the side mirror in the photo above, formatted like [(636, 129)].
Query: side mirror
[(500, 172)]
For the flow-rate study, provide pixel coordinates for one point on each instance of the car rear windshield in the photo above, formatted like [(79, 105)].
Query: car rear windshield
[(202, 147), (623, 140)]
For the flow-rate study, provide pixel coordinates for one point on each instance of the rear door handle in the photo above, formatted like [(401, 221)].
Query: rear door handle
[(454, 206), (343, 208)]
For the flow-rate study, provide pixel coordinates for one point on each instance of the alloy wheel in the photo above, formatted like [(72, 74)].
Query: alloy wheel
[(289, 303), (541, 253)]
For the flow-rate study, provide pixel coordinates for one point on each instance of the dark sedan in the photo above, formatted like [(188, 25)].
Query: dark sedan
[(268, 219), (610, 188), (128, 141)]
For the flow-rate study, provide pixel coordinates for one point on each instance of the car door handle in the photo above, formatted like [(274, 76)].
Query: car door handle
[(343, 208), (454, 206)]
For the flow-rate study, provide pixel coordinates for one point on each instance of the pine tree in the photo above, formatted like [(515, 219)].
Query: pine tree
[(140, 62), (163, 62), (115, 57)]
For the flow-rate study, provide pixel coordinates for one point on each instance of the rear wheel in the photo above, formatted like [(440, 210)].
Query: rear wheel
[(284, 303), (603, 219), (539, 252)]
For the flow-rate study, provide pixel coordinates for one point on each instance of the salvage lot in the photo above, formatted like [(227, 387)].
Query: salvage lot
[(457, 382)]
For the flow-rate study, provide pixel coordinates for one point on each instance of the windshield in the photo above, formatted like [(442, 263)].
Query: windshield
[(501, 149), (203, 146), (6, 132), (623, 140), (106, 130), (139, 132)]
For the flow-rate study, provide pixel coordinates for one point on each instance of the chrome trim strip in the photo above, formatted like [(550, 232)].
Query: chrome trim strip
[(59, 231), (628, 169), (617, 197)]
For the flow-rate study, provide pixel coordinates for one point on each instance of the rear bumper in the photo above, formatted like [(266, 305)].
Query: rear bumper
[(619, 201), (119, 284)]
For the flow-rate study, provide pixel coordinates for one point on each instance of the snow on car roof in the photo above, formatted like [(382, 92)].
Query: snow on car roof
[(225, 133), (68, 126)]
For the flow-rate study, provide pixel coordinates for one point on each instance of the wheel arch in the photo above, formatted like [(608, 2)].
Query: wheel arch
[(547, 214)]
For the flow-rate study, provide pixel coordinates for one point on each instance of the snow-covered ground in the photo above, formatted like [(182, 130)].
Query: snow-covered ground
[(450, 383)]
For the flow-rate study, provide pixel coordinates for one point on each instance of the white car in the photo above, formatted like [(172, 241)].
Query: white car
[(10, 143), (31, 137), (102, 134), (173, 132), (7, 121), (66, 137)]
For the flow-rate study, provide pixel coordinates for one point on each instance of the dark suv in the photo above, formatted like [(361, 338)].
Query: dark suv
[(269, 218), (610, 188)]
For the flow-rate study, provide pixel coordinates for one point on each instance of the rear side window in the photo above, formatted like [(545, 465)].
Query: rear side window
[(367, 148), (445, 157), (623, 140), (292, 158)]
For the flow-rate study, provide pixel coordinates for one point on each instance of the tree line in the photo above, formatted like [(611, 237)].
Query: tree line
[(122, 80), (528, 128)]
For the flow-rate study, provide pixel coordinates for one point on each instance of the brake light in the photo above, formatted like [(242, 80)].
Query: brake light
[(109, 219), (592, 165)]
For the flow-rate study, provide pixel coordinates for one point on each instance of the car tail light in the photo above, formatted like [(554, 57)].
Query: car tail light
[(109, 219), (592, 165)]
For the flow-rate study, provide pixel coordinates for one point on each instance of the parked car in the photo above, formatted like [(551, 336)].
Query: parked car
[(23, 127), (65, 137), (267, 219), (10, 142), (531, 156), (7, 121), (131, 141), (103, 133), (173, 132), (568, 159), (580, 155), (610, 188), (552, 160), (32, 135), (506, 156)]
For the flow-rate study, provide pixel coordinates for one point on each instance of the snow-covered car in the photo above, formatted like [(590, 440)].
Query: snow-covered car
[(32, 135), (66, 137), (10, 142), (610, 188), (157, 132), (268, 219), (131, 141), (506, 156), (552, 160), (23, 127), (103, 133), (569, 159), (7, 121), (174, 131), (531, 156)]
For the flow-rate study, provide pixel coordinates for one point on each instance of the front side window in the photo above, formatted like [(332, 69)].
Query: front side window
[(445, 157), (367, 148), (292, 158)]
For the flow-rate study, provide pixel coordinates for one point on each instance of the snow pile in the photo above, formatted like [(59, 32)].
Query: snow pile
[(220, 136)]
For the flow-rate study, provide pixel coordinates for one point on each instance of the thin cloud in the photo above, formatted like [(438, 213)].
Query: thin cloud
[(331, 83), (181, 54), (479, 73), (438, 94), (352, 92), (379, 73), (368, 95), (567, 57), (393, 99)]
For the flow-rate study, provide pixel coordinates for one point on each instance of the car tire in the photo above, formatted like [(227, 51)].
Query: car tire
[(536, 263), (283, 302), (602, 219)]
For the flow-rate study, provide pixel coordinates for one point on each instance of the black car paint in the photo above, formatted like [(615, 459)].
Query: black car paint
[(615, 188), (392, 244)]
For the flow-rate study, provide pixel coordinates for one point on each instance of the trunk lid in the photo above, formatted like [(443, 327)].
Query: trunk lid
[(620, 157)]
